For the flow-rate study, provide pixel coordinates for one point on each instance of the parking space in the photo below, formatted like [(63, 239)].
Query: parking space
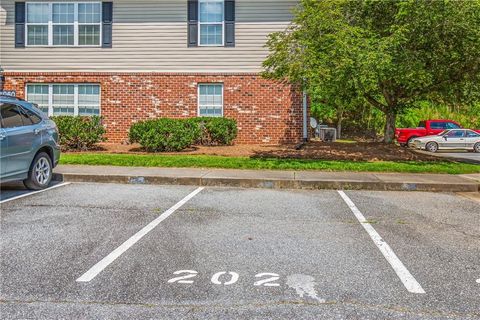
[(14, 190), (133, 251), (438, 236)]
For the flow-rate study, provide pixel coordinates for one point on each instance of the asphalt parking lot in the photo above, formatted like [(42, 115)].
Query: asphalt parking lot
[(468, 157), (106, 251), (458, 155)]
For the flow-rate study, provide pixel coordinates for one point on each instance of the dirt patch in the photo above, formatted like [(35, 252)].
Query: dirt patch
[(356, 151)]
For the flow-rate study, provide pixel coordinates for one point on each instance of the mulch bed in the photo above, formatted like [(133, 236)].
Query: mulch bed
[(359, 151)]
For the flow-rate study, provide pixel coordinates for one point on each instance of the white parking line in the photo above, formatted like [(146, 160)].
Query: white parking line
[(105, 262), (402, 272), (34, 192)]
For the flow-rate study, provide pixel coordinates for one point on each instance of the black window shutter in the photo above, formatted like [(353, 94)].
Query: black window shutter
[(192, 21), (19, 24), (229, 23), (107, 21)]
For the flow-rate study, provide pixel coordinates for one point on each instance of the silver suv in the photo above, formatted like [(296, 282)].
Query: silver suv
[(29, 144)]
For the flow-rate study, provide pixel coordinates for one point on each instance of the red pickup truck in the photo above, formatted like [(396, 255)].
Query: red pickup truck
[(405, 136)]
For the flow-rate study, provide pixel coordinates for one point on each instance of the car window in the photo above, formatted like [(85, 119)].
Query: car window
[(437, 125), (422, 124), (11, 115), (451, 125), (29, 117), (456, 134), (471, 134)]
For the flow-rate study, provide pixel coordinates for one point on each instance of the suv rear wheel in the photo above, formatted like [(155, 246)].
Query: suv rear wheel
[(40, 173)]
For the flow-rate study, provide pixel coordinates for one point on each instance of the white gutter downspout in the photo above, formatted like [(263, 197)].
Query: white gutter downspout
[(305, 115)]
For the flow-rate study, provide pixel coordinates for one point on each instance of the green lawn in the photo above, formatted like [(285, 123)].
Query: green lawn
[(202, 161)]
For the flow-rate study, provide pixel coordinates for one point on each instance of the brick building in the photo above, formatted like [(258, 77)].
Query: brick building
[(129, 60)]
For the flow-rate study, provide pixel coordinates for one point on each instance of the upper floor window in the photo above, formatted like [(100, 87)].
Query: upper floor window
[(63, 24), (211, 22)]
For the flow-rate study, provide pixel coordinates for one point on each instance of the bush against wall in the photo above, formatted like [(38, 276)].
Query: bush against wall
[(79, 133), (165, 134), (215, 131)]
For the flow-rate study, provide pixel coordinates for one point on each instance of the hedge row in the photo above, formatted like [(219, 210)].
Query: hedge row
[(83, 133), (79, 133), (178, 134), (214, 131)]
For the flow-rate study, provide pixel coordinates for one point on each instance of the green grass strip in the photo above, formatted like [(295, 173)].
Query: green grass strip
[(204, 161)]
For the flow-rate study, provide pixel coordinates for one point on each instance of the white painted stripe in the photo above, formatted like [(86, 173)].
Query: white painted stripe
[(105, 262), (34, 192), (402, 272)]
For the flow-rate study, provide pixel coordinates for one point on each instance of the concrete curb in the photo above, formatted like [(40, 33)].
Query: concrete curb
[(265, 183)]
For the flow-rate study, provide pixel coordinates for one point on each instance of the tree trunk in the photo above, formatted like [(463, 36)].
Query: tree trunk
[(389, 133), (339, 123), (339, 128)]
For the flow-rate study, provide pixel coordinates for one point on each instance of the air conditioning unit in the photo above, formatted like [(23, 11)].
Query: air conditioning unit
[(327, 134)]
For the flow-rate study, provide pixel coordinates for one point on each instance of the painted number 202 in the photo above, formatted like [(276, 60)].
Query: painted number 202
[(266, 279)]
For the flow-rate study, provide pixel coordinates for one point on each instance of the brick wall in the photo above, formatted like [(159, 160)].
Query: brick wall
[(266, 111)]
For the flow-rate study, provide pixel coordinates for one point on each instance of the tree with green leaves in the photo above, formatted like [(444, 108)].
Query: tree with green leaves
[(392, 54)]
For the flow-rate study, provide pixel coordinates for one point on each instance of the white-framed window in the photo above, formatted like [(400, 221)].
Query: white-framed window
[(89, 100), (211, 22), (65, 99), (210, 100), (63, 23), (37, 24)]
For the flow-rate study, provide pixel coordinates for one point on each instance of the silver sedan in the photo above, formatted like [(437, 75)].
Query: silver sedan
[(455, 139)]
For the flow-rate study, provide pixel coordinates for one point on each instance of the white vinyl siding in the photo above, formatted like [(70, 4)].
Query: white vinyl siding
[(65, 99), (210, 100), (151, 36)]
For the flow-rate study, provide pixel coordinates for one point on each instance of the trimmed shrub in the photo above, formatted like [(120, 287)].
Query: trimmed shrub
[(79, 133), (215, 131), (164, 134), (177, 134), (222, 131)]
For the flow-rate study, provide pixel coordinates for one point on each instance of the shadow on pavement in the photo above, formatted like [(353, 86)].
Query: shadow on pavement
[(13, 189)]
